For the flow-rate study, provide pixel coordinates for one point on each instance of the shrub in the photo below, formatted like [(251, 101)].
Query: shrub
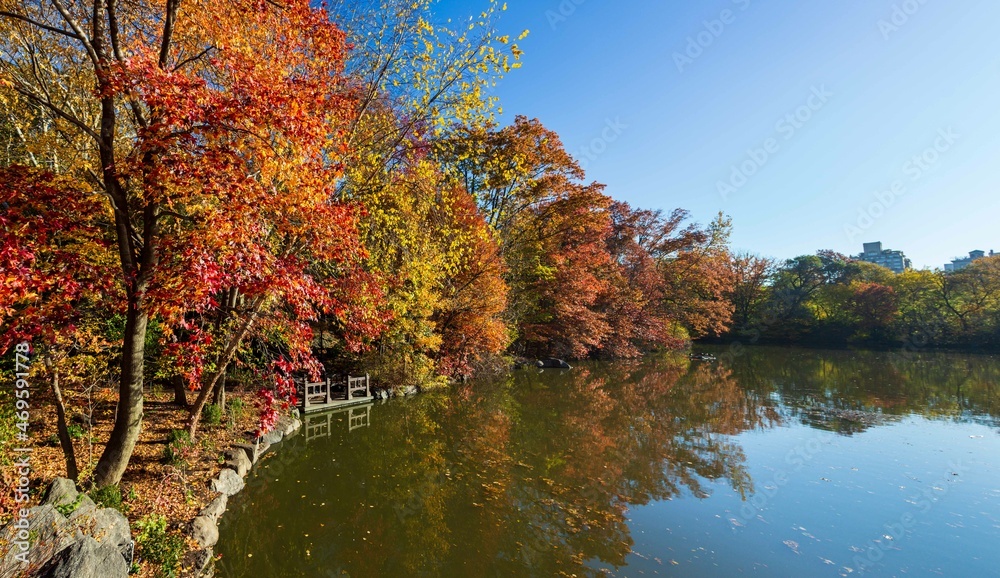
[(154, 544), (211, 414), (107, 497), (8, 422), (236, 409), (67, 509), (76, 432), (179, 448)]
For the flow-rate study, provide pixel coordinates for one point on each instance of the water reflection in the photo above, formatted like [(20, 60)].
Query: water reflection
[(534, 475)]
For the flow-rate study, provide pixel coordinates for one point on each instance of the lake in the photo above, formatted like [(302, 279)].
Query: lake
[(778, 462)]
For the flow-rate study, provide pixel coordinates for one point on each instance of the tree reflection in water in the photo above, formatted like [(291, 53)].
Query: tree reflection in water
[(533, 475)]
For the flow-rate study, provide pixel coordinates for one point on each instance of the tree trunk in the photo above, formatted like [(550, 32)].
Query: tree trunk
[(228, 304), (128, 417), (180, 391), (219, 397), (227, 356), (72, 472)]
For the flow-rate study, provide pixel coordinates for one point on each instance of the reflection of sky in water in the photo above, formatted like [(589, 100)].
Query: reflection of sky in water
[(845, 460), (826, 503)]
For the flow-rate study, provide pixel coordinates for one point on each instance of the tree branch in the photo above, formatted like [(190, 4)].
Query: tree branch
[(65, 33)]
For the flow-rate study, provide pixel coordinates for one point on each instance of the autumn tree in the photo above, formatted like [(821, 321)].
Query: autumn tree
[(57, 290), (436, 260), (669, 280), (586, 275), (562, 312), (212, 134), (698, 277), (470, 319), (751, 274), (971, 297), (874, 307)]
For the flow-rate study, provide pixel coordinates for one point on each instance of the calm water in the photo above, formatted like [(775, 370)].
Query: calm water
[(784, 462)]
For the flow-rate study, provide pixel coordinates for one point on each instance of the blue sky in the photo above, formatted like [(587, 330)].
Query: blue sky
[(894, 125)]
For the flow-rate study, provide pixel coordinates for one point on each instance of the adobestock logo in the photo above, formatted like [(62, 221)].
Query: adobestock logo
[(613, 129), (915, 168), (562, 13), (713, 29), (901, 14), (786, 127)]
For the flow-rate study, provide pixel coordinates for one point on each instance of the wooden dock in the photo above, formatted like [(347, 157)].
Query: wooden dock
[(320, 425), (326, 395)]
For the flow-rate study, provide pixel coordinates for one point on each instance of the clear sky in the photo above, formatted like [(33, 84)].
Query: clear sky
[(662, 105)]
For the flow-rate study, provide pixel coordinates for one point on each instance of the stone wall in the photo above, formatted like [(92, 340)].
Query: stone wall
[(240, 459)]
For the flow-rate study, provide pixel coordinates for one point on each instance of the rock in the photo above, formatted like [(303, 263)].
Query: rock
[(228, 482), (253, 451), (200, 561), (204, 531), (287, 424), (87, 558), (553, 363), (61, 492), (292, 427), (84, 507), (110, 526), (215, 508), (237, 459), (47, 533), (249, 450), (91, 542), (411, 390), (272, 437)]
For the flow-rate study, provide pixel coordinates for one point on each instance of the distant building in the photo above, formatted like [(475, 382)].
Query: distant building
[(962, 262), (896, 261)]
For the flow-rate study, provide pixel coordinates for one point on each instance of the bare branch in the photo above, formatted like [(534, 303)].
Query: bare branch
[(79, 32), (35, 23)]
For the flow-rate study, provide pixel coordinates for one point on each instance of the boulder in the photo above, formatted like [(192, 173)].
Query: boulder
[(62, 492), (215, 508), (92, 541), (411, 390), (238, 460), (272, 437), (253, 451), (47, 533), (84, 507), (287, 424), (200, 561), (249, 450), (204, 531), (87, 558), (228, 482), (108, 525)]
